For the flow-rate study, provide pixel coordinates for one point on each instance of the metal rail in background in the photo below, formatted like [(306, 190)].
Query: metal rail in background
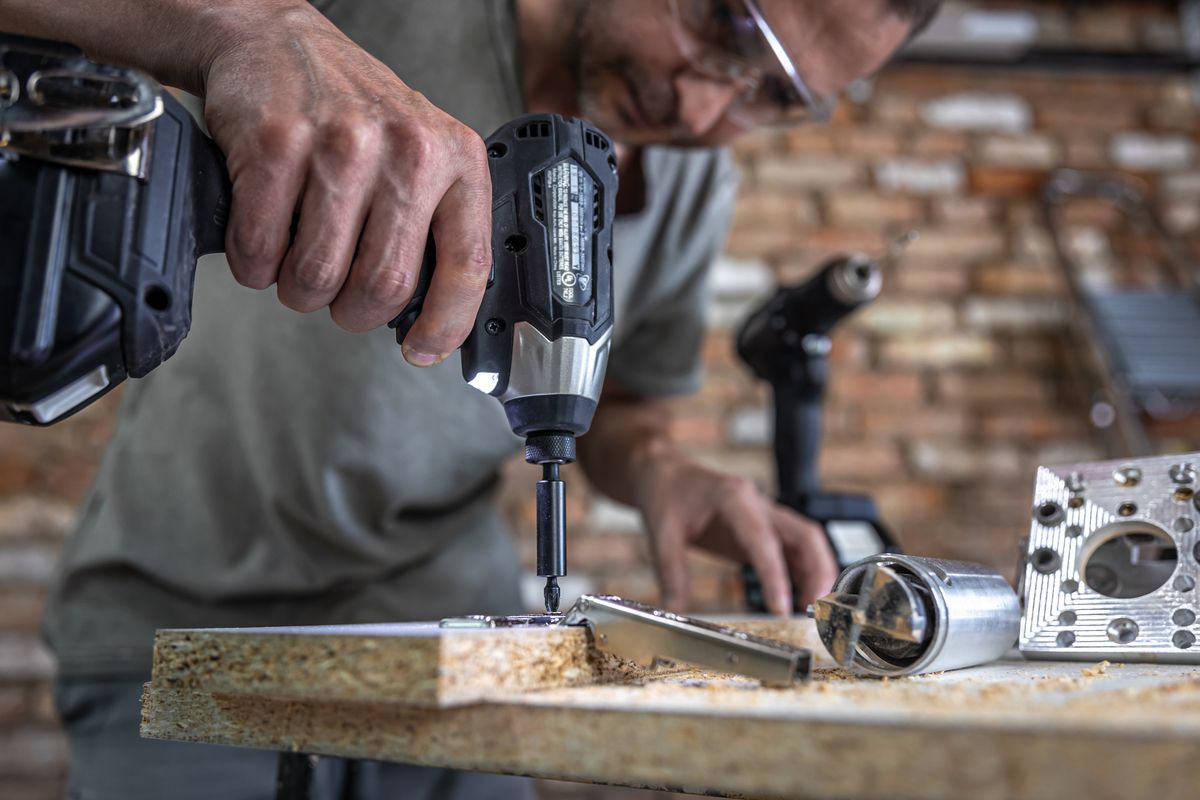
[(1141, 347)]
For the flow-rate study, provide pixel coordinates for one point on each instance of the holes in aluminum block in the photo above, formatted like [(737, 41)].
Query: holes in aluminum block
[(1129, 559), (1127, 509), (1183, 494), (1074, 531), (1049, 514), (1183, 524), (1184, 583), (1183, 617), (1183, 639), (1067, 618), (1045, 560), (1065, 639), (1070, 586), (1123, 630)]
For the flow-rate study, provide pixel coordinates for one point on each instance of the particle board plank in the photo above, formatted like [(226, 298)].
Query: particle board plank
[(416, 664), (1008, 730)]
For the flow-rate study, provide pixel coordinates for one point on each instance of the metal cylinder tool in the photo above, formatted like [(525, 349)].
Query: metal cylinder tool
[(893, 615)]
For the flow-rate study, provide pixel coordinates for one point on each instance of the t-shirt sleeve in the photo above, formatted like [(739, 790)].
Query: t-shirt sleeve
[(659, 355)]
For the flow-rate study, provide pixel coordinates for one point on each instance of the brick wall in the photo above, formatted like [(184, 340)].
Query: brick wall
[(946, 393)]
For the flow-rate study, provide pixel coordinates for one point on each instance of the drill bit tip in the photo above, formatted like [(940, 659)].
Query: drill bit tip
[(551, 595)]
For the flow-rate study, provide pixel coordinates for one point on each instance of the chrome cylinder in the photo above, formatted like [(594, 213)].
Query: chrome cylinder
[(971, 616)]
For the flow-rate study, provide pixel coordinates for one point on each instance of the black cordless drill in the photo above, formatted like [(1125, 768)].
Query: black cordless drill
[(786, 343), (109, 193)]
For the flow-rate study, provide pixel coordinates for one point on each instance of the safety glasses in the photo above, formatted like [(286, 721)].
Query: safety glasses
[(732, 42)]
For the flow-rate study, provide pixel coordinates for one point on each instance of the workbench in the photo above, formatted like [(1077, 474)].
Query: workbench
[(544, 703)]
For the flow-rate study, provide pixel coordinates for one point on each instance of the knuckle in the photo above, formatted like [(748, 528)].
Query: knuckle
[(471, 148), (389, 287), (421, 150), (254, 253), (476, 265), (317, 275), (280, 139), (349, 141), (741, 488)]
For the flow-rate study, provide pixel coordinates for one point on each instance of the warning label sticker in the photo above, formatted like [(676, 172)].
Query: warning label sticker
[(569, 203)]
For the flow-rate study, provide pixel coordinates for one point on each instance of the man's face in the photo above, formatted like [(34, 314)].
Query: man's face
[(637, 74)]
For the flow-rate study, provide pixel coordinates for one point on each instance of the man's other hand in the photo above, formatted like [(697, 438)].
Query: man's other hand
[(314, 128), (687, 504)]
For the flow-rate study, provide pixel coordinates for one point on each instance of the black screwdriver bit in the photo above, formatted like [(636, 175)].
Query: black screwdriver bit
[(551, 595)]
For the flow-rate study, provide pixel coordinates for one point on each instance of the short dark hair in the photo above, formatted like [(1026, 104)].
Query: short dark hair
[(919, 12)]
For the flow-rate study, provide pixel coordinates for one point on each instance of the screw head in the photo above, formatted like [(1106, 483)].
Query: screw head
[(1127, 476), (494, 327), (1183, 474), (1076, 483)]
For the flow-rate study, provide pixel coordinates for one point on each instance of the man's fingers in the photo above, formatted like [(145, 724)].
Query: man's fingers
[(670, 561), (462, 232), (331, 218), (746, 513), (266, 190), (810, 557), (386, 269)]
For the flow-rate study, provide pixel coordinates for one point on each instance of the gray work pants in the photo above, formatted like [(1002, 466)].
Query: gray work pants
[(110, 761)]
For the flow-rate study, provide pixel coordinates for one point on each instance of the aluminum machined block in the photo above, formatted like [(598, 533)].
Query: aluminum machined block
[(1112, 562)]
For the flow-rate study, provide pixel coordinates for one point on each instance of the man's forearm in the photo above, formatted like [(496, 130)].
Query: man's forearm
[(173, 40), (626, 433)]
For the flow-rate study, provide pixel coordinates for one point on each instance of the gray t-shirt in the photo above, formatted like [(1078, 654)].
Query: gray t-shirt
[(280, 471)]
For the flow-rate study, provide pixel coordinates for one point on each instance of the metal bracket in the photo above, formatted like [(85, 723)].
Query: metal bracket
[(645, 634)]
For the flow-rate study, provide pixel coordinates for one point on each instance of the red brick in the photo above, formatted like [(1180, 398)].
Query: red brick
[(900, 500), (910, 423), (1031, 424), (880, 388), (939, 144), (872, 208), (870, 142), (811, 139), (957, 389), (941, 351), (1018, 279), (766, 208), (999, 180), (890, 316), (915, 278), (860, 461), (965, 211), (958, 244)]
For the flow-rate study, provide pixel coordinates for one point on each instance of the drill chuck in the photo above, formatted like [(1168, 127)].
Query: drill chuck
[(854, 281)]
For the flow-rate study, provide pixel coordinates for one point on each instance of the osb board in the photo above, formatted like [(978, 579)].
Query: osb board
[(415, 664), (1010, 730)]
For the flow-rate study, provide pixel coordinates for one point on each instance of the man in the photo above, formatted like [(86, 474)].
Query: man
[(285, 470)]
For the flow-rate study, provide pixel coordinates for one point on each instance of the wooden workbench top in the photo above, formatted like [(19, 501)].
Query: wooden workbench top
[(542, 703)]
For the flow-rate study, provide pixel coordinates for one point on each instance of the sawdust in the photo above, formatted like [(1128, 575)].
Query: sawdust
[(1099, 669)]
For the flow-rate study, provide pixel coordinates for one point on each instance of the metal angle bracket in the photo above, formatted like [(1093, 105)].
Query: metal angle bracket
[(1112, 563), (645, 634)]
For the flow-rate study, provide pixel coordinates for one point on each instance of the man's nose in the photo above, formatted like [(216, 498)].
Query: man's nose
[(704, 101)]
